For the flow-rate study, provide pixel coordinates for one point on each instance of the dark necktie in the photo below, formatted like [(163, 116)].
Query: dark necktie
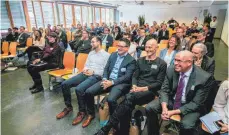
[(177, 102)]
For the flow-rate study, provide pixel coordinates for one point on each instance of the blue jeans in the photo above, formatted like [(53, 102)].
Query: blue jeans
[(81, 82)]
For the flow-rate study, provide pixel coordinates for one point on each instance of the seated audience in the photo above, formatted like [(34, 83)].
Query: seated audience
[(183, 92), (84, 45), (183, 42), (133, 31), (92, 73), (62, 36), (168, 54), (172, 23), (208, 34), (210, 46), (146, 81), (116, 78), (221, 105), (10, 36), (77, 38), (49, 59), (163, 34), (32, 34), (133, 46), (153, 33), (117, 33), (15, 33), (22, 38), (141, 41), (107, 39), (201, 60), (38, 45)]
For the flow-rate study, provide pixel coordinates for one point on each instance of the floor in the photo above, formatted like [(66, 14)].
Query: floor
[(26, 114)]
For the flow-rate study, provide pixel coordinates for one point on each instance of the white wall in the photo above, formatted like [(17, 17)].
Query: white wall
[(224, 35), (183, 13)]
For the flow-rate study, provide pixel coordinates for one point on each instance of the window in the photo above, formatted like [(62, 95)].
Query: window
[(55, 14), (17, 13), (97, 15), (107, 16), (5, 22), (111, 16), (31, 14), (38, 15), (68, 15), (47, 13), (77, 14), (85, 15), (61, 13), (91, 13), (103, 15)]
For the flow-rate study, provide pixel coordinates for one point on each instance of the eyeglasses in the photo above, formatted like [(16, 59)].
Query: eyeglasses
[(179, 61)]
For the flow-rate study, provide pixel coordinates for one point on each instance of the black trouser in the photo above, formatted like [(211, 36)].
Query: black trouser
[(34, 71), (81, 82), (30, 50), (115, 92), (123, 112), (188, 122)]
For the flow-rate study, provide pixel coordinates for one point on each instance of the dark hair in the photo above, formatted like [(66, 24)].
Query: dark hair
[(214, 17), (15, 28), (119, 29), (177, 46), (127, 42), (107, 28), (22, 27), (141, 28), (36, 38), (207, 25), (98, 39)]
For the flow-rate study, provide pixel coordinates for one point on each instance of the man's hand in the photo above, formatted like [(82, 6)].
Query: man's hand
[(88, 72), (164, 114), (36, 61), (224, 128), (133, 88), (138, 89), (106, 84)]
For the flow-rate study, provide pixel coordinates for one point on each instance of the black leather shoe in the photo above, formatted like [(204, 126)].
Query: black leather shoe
[(38, 89), (32, 87), (20, 55), (101, 132)]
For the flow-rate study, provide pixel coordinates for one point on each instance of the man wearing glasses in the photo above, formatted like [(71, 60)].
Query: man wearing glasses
[(116, 78), (183, 93)]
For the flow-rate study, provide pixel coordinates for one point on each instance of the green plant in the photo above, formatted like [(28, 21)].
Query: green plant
[(141, 20), (208, 19)]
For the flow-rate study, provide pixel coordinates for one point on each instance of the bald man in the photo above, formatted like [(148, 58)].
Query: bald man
[(146, 81), (183, 93)]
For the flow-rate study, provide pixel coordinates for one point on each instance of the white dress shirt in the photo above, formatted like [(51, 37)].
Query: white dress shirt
[(96, 61)]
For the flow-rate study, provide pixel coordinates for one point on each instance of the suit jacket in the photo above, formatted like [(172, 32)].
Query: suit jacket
[(23, 39), (184, 44), (109, 40), (163, 53), (119, 36), (196, 90), (208, 65), (161, 37), (63, 38), (126, 68), (142, 46), (210, 48)]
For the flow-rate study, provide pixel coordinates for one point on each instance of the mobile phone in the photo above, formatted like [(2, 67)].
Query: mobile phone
[(217, 124)]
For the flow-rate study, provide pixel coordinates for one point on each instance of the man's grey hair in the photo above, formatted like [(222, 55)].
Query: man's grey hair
[(202, 47)]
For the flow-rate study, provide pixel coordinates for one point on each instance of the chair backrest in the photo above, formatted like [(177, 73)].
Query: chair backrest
[(69, 35), (13, 48), (5, 48), (81, 60), (112, 49), (115, 43), (103, 47), (160, 47), (29, 42), (164, 41), (69, 60)]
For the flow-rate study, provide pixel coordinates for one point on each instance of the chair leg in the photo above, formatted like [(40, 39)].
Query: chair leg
[(98, 101), (50, 83)]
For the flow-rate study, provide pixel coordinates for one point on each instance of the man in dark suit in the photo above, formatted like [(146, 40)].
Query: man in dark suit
[(141, 41), (62, 36), (116, 77), (183, 93), (15, 33), (201, 60), (22, 38), (163, 33), (107, 39)]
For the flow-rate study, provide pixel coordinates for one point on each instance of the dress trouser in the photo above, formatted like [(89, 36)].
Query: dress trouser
[(115, 92), (188, 121), (34, 71), (81, 82), (123, 112)]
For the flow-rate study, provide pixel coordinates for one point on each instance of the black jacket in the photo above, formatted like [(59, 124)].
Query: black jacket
[(83, 46), (51, 54), (161, 37), (208, 65)]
